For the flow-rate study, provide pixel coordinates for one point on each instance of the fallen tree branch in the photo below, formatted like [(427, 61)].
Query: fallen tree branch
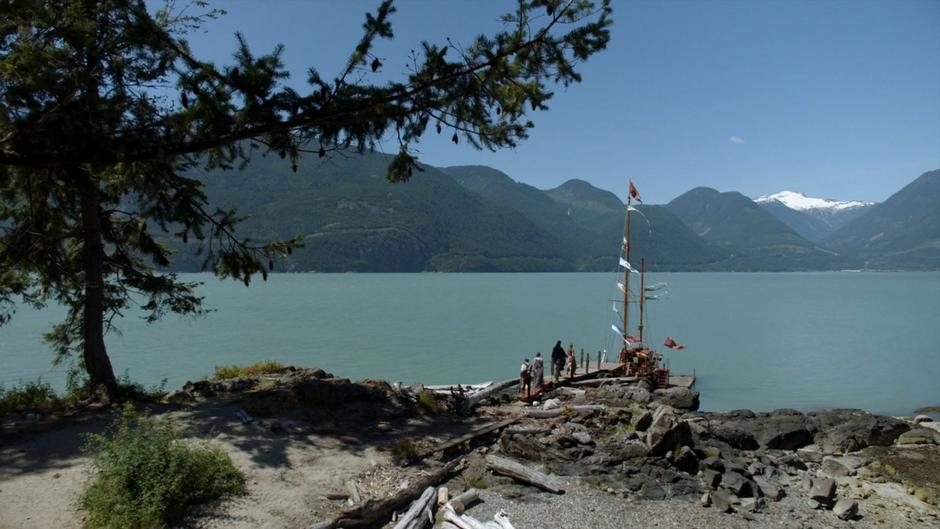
[(416, 513), (515, 470), (547, 414), (374, 510), (489, 428), (474, 400), (604, 381)]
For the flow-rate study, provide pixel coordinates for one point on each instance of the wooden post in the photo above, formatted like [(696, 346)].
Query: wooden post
[(598, 360), (582, 357)]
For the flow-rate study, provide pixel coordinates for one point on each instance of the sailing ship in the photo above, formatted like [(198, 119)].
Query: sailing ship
[(636, 359), (635, 356)]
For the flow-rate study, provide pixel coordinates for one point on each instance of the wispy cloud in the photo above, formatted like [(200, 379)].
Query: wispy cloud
[(736, 139)]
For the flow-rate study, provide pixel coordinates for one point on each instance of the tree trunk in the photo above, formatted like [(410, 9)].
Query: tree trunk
[(95, 356)]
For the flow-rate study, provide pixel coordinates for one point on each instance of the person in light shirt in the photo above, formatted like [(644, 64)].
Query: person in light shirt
[(538, 372), (525, 378)]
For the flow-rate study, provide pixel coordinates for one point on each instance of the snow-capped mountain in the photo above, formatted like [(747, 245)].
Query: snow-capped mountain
[(801, 202), (813, 218)]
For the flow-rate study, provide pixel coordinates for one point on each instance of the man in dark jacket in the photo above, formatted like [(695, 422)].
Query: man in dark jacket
[(558, 361)]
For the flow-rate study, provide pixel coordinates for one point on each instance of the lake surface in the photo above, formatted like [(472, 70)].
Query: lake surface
[(759, 341)]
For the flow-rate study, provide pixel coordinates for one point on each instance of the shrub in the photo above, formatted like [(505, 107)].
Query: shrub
[(428, 402), (404, 451), (235, 371), (30, 397), (147, 477)]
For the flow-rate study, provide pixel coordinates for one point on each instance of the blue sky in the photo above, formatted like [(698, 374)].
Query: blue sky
[(838, 98)]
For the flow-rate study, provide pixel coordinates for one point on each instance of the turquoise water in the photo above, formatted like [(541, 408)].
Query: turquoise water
[(759, 341)]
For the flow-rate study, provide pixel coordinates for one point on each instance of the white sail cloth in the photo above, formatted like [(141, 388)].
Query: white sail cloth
[(625, 264)]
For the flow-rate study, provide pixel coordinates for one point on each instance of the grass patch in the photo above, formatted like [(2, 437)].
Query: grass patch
[(476, 483), (147, 477), (39, 396), (404, 451), (235, 371), (428, 402), (711, 452), (35, 396)]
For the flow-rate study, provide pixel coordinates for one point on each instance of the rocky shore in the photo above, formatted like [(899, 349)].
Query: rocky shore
[(321, 451)]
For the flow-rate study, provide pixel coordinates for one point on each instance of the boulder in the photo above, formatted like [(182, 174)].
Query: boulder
[(678, 397), (633, 449), (651, 491), (756, 468), (841, 466), (706, 500), (935, 426), (752, 504), (722, 500), (736, 484), (711, 478), (841, 431), (769, 489), (784, 430), (810, 454), (583, 438), (198, 388), (922, 418), (642, 421), (666, 433), (713, 463), (637, 394), (686, 461), (823, 490), (686, 487), (792, 461), (846, 509), (919, 436)]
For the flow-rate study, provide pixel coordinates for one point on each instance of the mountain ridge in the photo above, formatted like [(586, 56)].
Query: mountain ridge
[(476, 218)]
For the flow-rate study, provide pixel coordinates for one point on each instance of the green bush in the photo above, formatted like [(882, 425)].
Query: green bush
[(428, 402), (35, 396), (147, 477), (260, 368), (404, 451)]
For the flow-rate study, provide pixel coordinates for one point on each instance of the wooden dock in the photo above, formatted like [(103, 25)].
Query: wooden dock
[(682, 381), (675, 380), (592, 370)]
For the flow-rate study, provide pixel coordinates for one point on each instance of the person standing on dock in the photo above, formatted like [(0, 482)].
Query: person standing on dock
[(572, 363), (558, 361), (538, 372), (525, 378)]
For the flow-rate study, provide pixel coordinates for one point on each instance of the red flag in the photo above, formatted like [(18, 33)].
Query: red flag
[(670, 343), (634, 194)]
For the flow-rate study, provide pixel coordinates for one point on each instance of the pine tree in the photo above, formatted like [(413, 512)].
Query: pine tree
[(104, 109)]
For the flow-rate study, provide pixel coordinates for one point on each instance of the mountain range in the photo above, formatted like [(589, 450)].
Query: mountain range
[(478, 219), (813, 218)]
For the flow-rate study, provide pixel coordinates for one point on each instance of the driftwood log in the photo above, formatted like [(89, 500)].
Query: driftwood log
[(460, 502), (474, 400), (547, 414), (603, 381), (454, 520), (518, 472), (374, 510), (489, 428), (416, 516)]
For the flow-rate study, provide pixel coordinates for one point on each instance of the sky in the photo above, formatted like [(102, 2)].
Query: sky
[(835, 99)]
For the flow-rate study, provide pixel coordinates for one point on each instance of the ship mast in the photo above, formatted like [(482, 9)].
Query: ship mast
[(642, 294), (626, 275)]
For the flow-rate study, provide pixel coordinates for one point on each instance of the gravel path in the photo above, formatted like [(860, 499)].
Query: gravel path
[(586, 507)]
